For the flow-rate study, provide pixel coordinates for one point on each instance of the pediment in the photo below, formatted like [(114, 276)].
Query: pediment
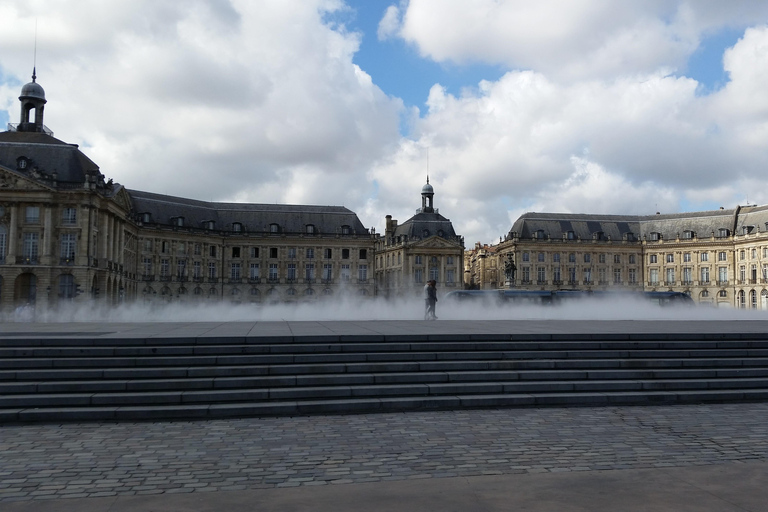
[(12, 180), (437, 242), (123, 199)]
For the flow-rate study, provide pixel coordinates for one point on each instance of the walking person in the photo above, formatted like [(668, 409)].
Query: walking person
[(430, 298)]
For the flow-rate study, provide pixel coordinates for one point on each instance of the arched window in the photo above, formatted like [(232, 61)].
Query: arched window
[(66, 286), (237, 227)]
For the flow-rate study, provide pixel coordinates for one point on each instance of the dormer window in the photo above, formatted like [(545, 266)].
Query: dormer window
[(274, 228), (345, 230), (630, 237), (598, 235), (310, 229), (745, 230), (21, 163), (688, 235), (178, 221), (440, 232), (539, 234), (425, 233), (570, 235), (146, 217), (237, 227), (722, 233), (209, 224), (654, 236)]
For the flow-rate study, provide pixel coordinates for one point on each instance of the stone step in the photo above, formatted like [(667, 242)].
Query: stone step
[(370, 405)]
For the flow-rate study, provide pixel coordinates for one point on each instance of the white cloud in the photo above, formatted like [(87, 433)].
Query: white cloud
[(207, 99), (389, 24), (570, 40)]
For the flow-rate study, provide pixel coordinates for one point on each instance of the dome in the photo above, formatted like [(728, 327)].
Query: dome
[(427, 189), (32, 90)]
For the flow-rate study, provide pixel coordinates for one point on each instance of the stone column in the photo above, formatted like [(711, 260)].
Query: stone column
[(47, 255), (13, 235)]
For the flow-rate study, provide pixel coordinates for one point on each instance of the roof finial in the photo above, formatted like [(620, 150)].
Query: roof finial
[(34, 56), (427, 178)]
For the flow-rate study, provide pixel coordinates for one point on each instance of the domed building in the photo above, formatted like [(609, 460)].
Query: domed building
[(423, 248), (69, 235)]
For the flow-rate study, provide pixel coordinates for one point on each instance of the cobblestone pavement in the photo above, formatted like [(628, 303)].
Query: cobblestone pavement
[(109, 459)]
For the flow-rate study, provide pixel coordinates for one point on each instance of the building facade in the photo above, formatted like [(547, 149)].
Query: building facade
[(717, 257), (68, 235), (423, 248)]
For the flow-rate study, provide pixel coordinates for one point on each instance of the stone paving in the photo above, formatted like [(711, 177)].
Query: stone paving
[(112, 459)]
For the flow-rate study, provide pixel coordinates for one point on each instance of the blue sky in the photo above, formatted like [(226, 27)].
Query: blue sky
[(592, 106)]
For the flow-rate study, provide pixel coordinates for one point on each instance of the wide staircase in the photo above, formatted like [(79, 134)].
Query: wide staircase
[(88, 378)]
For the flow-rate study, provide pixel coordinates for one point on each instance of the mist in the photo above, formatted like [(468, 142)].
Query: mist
[(350, 309)]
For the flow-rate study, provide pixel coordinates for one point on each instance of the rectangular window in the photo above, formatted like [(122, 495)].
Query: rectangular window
[(587, 258), (721, 256), (418, 260), (587, 275), (687, 275), (291, 253), (147, 266), (254, 252), (32, 214), (148, 245), (743, 273), (164, 267), (196, 270), (327, 254), (273, 272), (572, 274), (526, 256), (309, 273), (211, 270), (449, 260), (434, 273), (616, 276), (450, 276), (601, 258), (198, 249), (418, 275), (686, 257), (181, 247), (617, 258), (181, 268), (632, 276), (327, 271), (722, 274), (654, 258), (363, 254), (211, 250), (654, 277), (541, 274), (68, 241), (670, 276), (234, 271), (310, 253), (273, 252), (601, 275), (632, 259), (556, 257), (345, 254), (253, 271), (670, 258), (572, 257), (30, 247), (69, 216), (526, 274), (67, 286), (235, 252), (362, 273), (704, 256), (556, 274), (345, 272), (291, 269), (705, 275), (541, 257)]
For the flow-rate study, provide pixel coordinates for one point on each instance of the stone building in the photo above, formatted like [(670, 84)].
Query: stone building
[(423, 248), (481, 268), (66, 235), (718, 257)]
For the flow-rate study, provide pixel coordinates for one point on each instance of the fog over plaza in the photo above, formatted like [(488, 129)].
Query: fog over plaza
[(623, 308), (591, 106)]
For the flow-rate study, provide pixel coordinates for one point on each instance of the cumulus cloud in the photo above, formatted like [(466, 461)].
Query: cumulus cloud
[(210, 99), (390, 23)]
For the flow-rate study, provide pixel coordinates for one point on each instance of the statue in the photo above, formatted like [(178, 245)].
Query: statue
[(510, 268)]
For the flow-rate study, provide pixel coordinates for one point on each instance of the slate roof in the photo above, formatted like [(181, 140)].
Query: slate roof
[(584, 226), (48, 154), (253, 217), (424, 225)]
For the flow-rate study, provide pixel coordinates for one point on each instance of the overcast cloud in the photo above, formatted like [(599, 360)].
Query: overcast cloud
[(261, 102)]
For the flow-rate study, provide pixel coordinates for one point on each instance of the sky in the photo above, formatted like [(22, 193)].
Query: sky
[(510, 106)]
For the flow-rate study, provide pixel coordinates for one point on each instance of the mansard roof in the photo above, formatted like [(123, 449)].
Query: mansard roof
[(424, 225), (586, 226), (47, 155), (327, 220)]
